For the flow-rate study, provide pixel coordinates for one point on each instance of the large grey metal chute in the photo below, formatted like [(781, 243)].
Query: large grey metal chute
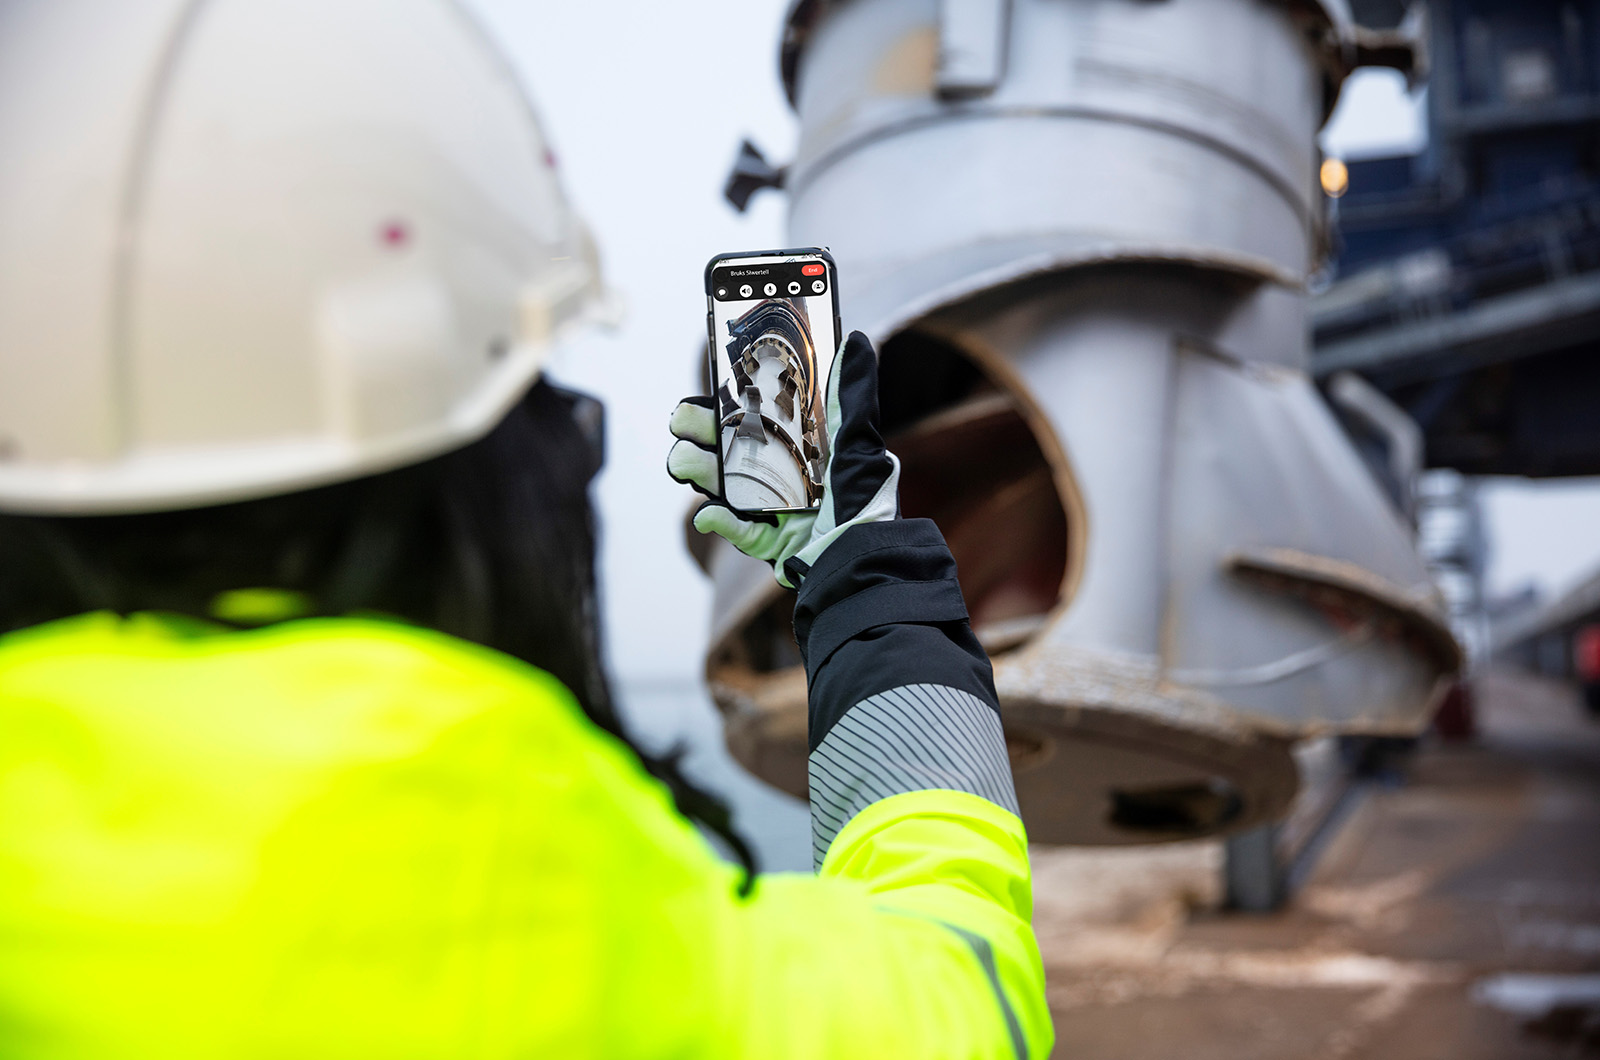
[(1082, 256)]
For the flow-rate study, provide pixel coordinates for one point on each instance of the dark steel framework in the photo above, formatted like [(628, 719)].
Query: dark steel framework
[(1468, 275)]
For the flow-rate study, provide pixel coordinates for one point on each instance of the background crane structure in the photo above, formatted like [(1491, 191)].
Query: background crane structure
[(1467, 276), (1466, 285)]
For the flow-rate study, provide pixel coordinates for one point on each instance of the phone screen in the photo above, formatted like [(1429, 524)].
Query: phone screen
[(773, 337)]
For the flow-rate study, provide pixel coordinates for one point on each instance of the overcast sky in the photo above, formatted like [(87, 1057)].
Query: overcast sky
[(645, 103)]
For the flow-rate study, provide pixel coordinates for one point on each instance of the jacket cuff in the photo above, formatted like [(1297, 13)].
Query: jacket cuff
[(875, 574)]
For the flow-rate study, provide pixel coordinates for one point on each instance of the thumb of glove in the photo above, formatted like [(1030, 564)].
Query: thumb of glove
[(863, 477), (860, 465)]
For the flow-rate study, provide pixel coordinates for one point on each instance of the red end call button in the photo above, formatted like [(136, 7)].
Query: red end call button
[(811, 270)]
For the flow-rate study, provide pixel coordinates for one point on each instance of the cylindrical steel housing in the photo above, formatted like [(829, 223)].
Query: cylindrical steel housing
[(1079, 232)]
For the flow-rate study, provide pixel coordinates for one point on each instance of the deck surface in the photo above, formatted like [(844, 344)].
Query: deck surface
[(1484, 863)]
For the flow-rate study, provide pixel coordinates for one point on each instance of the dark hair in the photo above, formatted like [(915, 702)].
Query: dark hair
[(493, 543)]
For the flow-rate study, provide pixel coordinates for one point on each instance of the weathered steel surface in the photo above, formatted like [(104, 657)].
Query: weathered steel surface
[(1178, 128), (1086, 282)]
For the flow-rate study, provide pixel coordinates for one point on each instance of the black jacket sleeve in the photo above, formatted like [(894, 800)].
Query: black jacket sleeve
[(901, 694)]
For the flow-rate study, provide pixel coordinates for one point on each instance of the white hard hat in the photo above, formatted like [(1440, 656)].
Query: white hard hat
[(251, 246)]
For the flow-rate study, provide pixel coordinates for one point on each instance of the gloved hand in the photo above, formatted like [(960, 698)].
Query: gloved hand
[(862, 484)]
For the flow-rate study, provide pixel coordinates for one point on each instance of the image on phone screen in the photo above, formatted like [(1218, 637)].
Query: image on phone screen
[(772, 344)]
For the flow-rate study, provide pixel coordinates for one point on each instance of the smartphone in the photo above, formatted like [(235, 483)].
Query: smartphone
[(774, 322)]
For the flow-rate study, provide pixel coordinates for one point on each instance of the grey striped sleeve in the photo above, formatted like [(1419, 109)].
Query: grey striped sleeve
[(911, 738)]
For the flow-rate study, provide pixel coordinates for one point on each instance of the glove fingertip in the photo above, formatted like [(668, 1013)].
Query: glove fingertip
[(714, 517), (689, 466), (858, 362), (694, 420)]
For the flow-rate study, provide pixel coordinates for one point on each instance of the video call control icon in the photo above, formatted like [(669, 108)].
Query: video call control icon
[(794, 286), (746, 291), (770, 289), (818, 286)]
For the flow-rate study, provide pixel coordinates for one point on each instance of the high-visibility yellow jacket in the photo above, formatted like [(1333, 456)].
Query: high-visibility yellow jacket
[(356, 839)]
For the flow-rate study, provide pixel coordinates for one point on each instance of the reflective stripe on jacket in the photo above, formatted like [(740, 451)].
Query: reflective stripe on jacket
[(355, 839)]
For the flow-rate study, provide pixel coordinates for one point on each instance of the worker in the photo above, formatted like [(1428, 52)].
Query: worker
[(306, 745), (912, 806)]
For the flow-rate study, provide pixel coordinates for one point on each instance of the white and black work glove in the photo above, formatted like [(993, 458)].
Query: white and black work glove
[(862, 484)]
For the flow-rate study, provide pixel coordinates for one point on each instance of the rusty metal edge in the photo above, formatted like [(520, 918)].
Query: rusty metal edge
[(1300, 573)]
